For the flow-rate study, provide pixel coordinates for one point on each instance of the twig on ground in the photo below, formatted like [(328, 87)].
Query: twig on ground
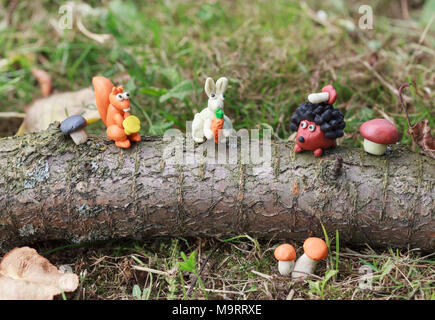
[(100, 38), (11, 8), (426, 29), (290, 294), (405, 111), (405, 12), (217, 290), (159, 272), (263, 275)]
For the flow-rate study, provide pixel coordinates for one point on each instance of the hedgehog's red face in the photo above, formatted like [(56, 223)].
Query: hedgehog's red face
[(310, 137)]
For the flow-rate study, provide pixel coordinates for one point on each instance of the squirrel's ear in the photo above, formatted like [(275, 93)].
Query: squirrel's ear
[(221, 85), (120, 89), (209, 86), (114, 90)]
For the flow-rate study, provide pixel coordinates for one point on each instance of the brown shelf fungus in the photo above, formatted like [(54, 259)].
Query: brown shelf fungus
[(377, 134), (285, 254), (315, 249), (73, 126)]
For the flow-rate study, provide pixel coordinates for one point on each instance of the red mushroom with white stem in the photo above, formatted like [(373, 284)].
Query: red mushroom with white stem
[(315, 249), (285, 254), (377, 134)]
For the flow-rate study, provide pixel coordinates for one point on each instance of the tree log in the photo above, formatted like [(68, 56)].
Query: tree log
[(51, 189)]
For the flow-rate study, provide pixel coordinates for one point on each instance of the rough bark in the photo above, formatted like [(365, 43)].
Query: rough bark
[(51, 189)]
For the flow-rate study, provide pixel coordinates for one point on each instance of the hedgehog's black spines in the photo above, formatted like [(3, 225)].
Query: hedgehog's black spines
[(324, 115), (325, 127), (294, 122), (319, 109), (341, 125), (318, 119), (294, 126), (327, 115), (330, 134)]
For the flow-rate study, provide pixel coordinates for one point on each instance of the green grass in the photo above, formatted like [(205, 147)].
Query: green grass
[(240, 269), (274, 53)]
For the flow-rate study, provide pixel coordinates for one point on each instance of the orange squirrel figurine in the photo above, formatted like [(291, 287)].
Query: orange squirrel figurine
[(113, 105)]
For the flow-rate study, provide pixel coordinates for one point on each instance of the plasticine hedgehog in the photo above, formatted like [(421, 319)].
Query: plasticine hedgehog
[(317, 122)]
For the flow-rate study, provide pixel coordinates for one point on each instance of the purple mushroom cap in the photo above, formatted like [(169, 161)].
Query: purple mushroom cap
[(72, 124)]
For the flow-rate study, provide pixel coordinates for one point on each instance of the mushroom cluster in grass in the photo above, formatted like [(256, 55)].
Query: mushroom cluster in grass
[(377, 134), (73, 126), (315, 249), (285, 254), (25, 275)]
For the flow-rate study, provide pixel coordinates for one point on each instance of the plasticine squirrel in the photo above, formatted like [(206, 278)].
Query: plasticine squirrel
[(113, 105)]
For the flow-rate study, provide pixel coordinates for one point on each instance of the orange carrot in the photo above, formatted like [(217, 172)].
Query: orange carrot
[(216, 124)]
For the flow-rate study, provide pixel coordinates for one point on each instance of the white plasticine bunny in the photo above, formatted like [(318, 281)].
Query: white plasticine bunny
[(202, 121)]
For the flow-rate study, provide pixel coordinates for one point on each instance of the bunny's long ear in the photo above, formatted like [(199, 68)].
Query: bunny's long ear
[(221, 85), (209, 86)]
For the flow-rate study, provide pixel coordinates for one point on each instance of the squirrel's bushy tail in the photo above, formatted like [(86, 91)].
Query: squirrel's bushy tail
[(103, 88)]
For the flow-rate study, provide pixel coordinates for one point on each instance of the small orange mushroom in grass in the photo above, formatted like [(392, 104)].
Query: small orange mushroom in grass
[(285, 254), (315, 249)]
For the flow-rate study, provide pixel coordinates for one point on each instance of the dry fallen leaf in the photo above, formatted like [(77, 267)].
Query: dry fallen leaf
[(422, 136), (26, 275), (419, 132), (58, 107), (44, 80)]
